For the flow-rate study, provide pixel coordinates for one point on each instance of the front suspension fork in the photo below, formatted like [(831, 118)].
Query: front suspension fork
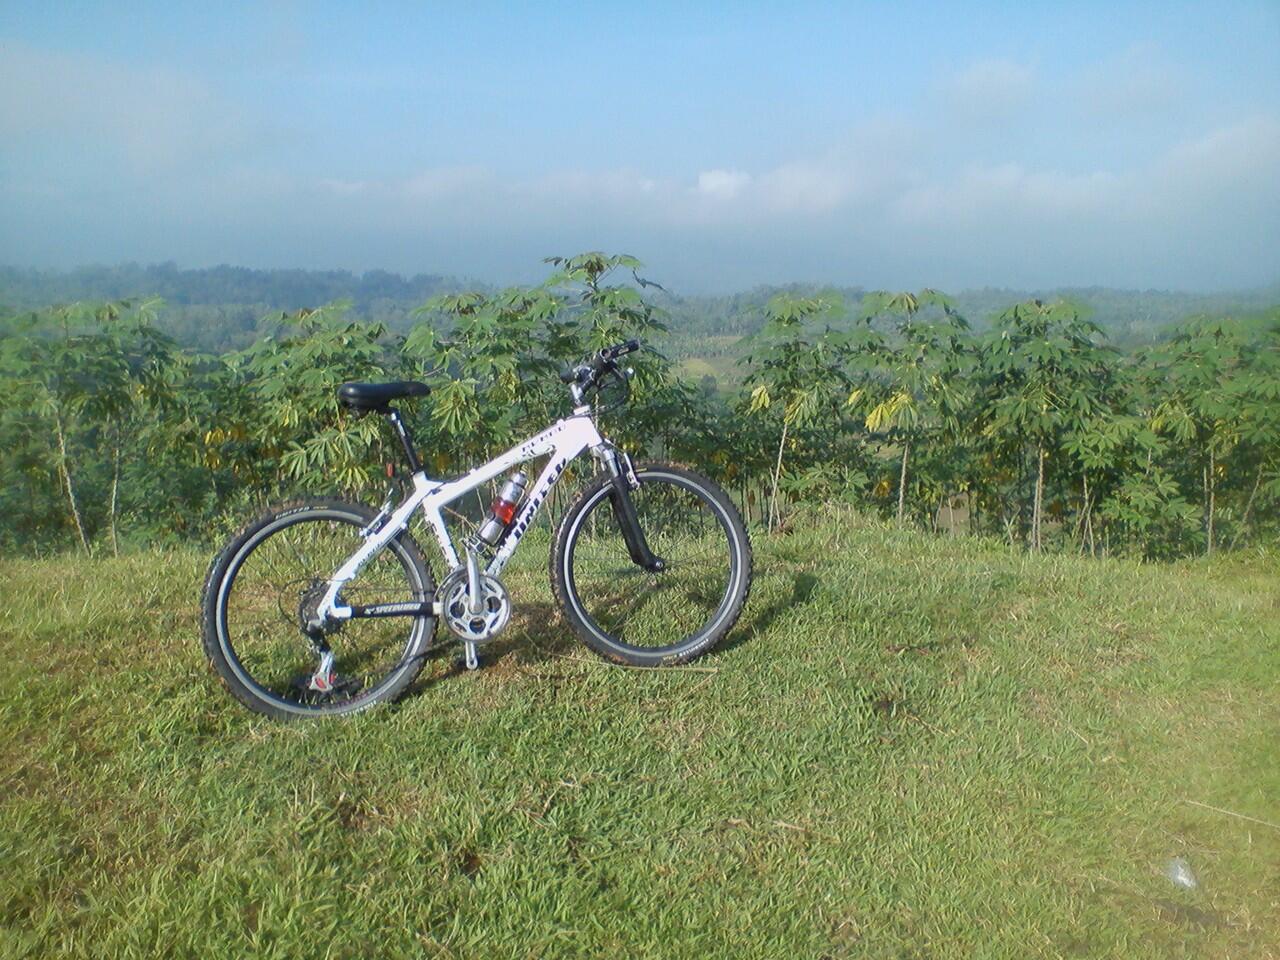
[(622, 480)]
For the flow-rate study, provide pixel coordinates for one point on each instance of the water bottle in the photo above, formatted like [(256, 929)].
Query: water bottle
[(503, 510)]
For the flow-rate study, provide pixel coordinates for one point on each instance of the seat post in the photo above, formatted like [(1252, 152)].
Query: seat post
[(405, 440)]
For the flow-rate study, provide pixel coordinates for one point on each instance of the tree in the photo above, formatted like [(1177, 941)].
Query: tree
[(492, 359), (1044, 373), (82, 377), (1218, 385), (911, 384), (299, 436), (796, 374)]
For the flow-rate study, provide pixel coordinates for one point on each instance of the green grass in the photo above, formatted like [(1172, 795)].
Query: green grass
[(911, 747)]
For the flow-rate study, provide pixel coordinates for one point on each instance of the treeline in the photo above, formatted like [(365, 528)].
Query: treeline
[(218, 309), (214, 286), (1033, 429), (222, 308)]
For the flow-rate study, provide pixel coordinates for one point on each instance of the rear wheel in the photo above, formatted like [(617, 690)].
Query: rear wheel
[(261, 587), (643, 617)]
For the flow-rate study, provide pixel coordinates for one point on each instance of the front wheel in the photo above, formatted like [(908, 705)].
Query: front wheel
[(653, 617)]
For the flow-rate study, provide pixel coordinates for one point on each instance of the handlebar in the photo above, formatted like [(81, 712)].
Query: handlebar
[(585, 374), (619, 350)]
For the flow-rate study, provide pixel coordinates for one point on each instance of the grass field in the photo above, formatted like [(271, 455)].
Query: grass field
[(911, 747)]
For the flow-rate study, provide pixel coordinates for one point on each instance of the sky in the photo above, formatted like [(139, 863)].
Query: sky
[(1027, 145)]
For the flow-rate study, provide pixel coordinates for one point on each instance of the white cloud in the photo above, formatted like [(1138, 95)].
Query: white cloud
[(590, 186), (1236, 165), (990, 89), (147, 119), (804, 188), (1245, 154), (108, 161), (444, 182), (722, 184), (1135, 85), (980, 193)]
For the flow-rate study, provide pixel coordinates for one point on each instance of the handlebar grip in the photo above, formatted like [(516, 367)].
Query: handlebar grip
[(620, 349), (587, 373)]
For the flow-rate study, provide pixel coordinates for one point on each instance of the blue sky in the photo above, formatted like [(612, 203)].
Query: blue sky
[(725, 145)]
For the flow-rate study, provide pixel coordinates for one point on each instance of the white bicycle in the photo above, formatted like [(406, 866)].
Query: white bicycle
[(327, 607)]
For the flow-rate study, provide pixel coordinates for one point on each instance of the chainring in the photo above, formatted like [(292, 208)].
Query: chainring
[(478, 627)]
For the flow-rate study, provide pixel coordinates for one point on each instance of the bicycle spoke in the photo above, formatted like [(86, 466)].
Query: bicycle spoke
[(272, 588), (653, 608)]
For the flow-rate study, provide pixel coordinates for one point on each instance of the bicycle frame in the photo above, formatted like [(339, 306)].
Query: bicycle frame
[(564, 440)]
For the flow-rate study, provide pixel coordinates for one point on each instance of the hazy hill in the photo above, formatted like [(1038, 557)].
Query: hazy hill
[(221, 307)]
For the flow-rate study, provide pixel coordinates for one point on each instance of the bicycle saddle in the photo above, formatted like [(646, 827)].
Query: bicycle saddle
[(374, 397)]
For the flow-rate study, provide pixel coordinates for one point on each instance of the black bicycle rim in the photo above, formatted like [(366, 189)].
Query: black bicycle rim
[(625, 605), (266, 585)]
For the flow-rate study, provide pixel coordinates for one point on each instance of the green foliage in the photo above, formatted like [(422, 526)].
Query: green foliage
[(1044, 374), (796, 369), (222, 308), (1035, 429), (911, 384), (80, 382), (1042, 359), (1150, 512), (299, 431), (796, 380), (1215, 385), (492, 359)]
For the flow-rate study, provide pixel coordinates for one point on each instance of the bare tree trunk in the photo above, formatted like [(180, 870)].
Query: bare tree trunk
[(1248, 506), (1209, 490), (1038, 506), (1085, 525), (902, 481), (67, 482), (1078, 529), (1088, 516), (115, 501), (777, 472), (1204, 495)]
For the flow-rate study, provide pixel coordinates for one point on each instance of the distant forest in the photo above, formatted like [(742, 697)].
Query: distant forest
[(223, 308)]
